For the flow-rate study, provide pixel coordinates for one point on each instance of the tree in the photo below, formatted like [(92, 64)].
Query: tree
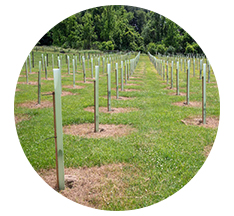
[(89, 35)]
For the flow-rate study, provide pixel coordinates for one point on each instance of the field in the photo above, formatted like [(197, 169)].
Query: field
[(154, 153)]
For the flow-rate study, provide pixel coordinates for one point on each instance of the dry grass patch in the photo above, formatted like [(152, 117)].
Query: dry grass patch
[(20, 118), (48, 78), (211, 122), (64, 93), (169, 88), (130, 90), (180, 93), (72, 87), (29, 83), (132, 84), (120, 97), (95, 186), (191, 104), (105, 130), (207, 150), (87, 82), (113, 110), (35, 105)]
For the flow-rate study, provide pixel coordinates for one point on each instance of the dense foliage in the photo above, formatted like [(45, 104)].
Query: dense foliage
[(121, 28)]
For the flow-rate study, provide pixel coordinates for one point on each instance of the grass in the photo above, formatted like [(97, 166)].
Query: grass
[(164, 153)]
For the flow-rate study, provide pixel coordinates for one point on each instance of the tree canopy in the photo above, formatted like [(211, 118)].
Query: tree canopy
[(122, 28)]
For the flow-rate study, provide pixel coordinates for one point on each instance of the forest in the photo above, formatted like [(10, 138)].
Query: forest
[(122, 28)]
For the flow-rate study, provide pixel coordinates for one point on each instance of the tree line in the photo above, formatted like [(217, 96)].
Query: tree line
[(122, 28)]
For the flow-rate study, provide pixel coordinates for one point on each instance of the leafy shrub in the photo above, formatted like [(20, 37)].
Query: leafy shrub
[(189, 49), (170, 50), (107, 45), (161, 48), (151, 47)]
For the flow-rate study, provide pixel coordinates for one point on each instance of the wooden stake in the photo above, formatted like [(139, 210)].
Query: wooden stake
[(117, 81), (74, 73), (39, 83), (109, 87), (29, 60), (55, 140), (32, 59), (204, 95), (188, 75), (84, 72), (52, 61), (59, 129), (167, 72), (96, 100), (122, 87), (171, 74), (45, 67), (92, 68), (26, 71), (68, 64), (177, 79)]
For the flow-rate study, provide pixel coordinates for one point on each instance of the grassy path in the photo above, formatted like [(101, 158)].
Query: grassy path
[(154, 161)]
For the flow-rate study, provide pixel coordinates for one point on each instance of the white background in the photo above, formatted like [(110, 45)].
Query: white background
[(23, 23)]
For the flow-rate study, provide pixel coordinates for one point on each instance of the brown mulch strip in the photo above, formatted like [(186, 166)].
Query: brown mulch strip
[(180, 93), (29, 83), (22, 117), (48, 78), (22, 75), (169, 87), (211, 122), (64, 93), (136, 77), (105, 130), (87, 82), (120, 97), (132, 84), (17, 90), (207, 150), (92, 186), (76, 87), (113, 110), (35, 105), (191, 104), (131, 90)]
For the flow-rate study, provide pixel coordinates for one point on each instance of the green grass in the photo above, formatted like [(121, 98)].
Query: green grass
[(163, 150)]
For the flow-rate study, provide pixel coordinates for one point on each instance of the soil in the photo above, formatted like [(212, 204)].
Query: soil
[(22, 117), (35, 105), (87, 82), (29, 83), (71, 87), (132, 84), (211, 122), (169, 87), (137, 77), (105, 130), (17, 90), (180, 93), (191, 104), (64, 93), (207, 150), (113, 110), (92, 186), (120, 97), (130, 90), (48, 78)]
